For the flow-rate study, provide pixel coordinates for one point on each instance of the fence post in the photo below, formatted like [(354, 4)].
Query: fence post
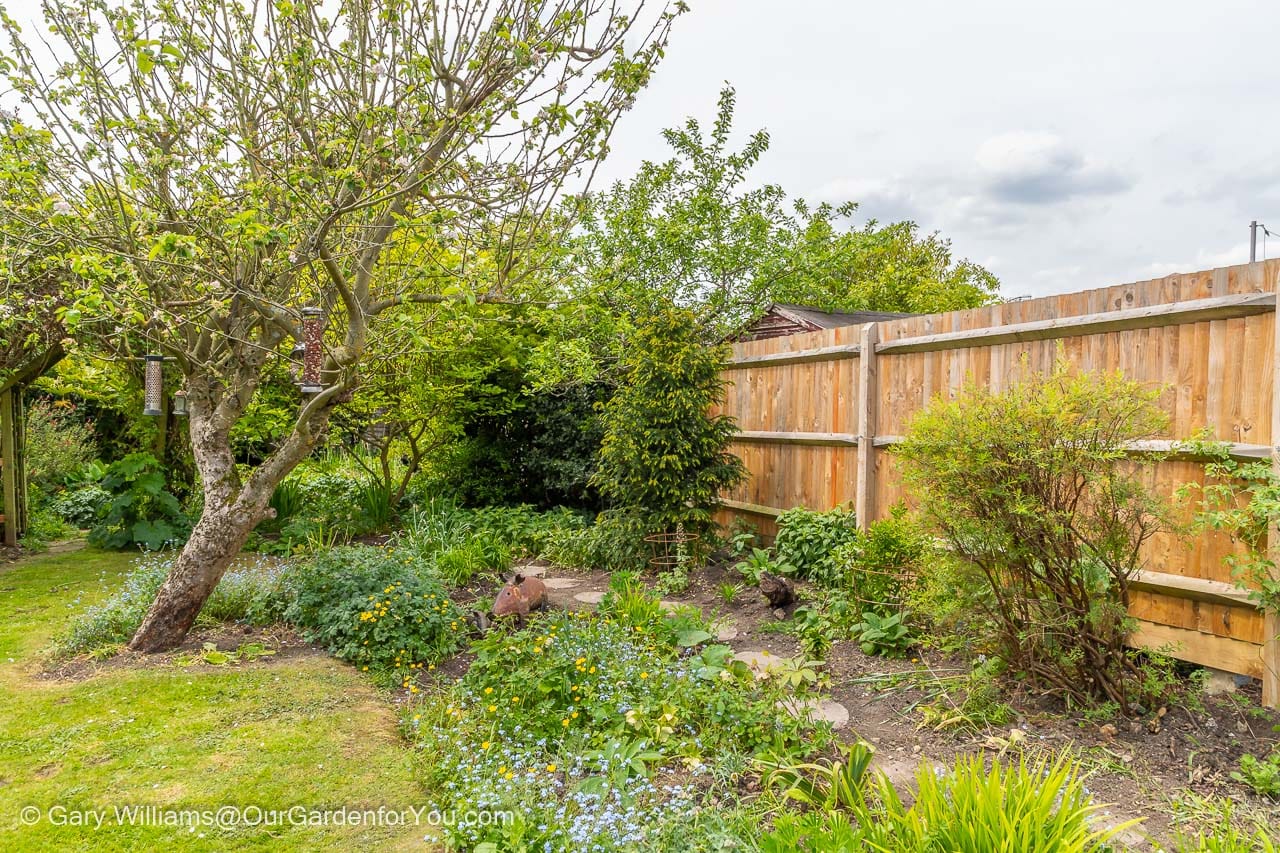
[(868, 394), (1270, 618)]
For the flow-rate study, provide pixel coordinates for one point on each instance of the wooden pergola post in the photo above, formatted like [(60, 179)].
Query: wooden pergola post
[(10, 467), (13, 475)]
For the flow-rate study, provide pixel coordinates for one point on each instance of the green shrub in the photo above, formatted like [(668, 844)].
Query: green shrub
[(80, 507), (141, 512), (381, 610), (58, 444), (880, 562), (1243, 500), (664, 455), (811, 542), (614, 543), (1035, 494)]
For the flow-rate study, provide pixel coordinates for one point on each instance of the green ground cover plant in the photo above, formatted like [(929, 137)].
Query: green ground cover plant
[(383, 611), (589, 724), (253, 592)]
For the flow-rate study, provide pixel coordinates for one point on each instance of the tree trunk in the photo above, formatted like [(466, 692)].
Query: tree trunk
[(215, 541), (231, 510)]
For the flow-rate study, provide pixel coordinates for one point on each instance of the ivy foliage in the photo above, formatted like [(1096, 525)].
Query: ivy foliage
[(664, 453)]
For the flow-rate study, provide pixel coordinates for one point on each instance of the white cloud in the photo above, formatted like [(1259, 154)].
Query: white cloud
[(1041, 168), (1203, 260), (889, 200)]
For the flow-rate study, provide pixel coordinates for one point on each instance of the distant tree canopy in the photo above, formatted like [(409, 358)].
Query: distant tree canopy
[(688, 231)]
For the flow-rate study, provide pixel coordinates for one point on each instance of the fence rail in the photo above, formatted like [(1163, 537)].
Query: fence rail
[(819, 413)]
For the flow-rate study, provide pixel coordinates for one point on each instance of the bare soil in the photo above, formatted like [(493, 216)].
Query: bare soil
[(1138, 766), (286, 644)]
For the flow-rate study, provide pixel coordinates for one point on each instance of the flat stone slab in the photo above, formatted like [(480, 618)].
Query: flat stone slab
[(818, 709), (561, 583), (725, 631), (671, 606), (762, 661), (591, 597), (530, 571)]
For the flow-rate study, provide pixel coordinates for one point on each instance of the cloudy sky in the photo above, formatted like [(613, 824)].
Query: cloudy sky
[(1063, 145)]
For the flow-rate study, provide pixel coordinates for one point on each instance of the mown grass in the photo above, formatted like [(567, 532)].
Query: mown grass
[(275, 733)]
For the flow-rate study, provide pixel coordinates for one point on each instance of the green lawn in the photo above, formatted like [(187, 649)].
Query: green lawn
[(301, 732)]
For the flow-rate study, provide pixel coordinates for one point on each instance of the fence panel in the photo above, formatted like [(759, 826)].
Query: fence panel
[(1206, 339)]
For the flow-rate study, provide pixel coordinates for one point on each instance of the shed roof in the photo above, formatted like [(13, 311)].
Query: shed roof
[(830, 319)]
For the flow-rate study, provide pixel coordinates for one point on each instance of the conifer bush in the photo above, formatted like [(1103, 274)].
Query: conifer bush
[(664, 453)]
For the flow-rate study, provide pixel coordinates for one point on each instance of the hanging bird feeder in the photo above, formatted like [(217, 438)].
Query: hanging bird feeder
[(312, 350), (153, 386), (180, 404)]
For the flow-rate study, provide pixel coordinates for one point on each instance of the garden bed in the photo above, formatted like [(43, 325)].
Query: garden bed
[(1167, 769)]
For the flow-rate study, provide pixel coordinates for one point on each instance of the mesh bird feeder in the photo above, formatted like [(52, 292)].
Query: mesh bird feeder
[(312, 350), (153, 386)]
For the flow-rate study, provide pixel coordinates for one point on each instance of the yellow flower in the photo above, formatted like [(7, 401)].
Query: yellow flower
[(515, 700), (486, 745), (574, 715), (493, 708), (488, 690), (644, 675), (580, 661), (565, 722), (551, 768), (413, 689)]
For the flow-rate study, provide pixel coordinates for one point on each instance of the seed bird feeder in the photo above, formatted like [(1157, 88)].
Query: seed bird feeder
[(153, 386), (312, 350)]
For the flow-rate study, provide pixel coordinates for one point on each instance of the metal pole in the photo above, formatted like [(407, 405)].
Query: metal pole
[(1253, 241)]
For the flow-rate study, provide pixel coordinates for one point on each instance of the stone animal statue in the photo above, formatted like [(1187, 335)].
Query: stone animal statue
[(777, 590), (519, 596)]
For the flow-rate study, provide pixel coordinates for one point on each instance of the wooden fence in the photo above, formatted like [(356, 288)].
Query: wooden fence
[(818, 414)]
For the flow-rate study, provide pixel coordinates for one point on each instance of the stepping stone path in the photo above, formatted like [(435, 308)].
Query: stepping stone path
[(763, 661), (818, 709), (592, 597), (725, 631), (561, 583)]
